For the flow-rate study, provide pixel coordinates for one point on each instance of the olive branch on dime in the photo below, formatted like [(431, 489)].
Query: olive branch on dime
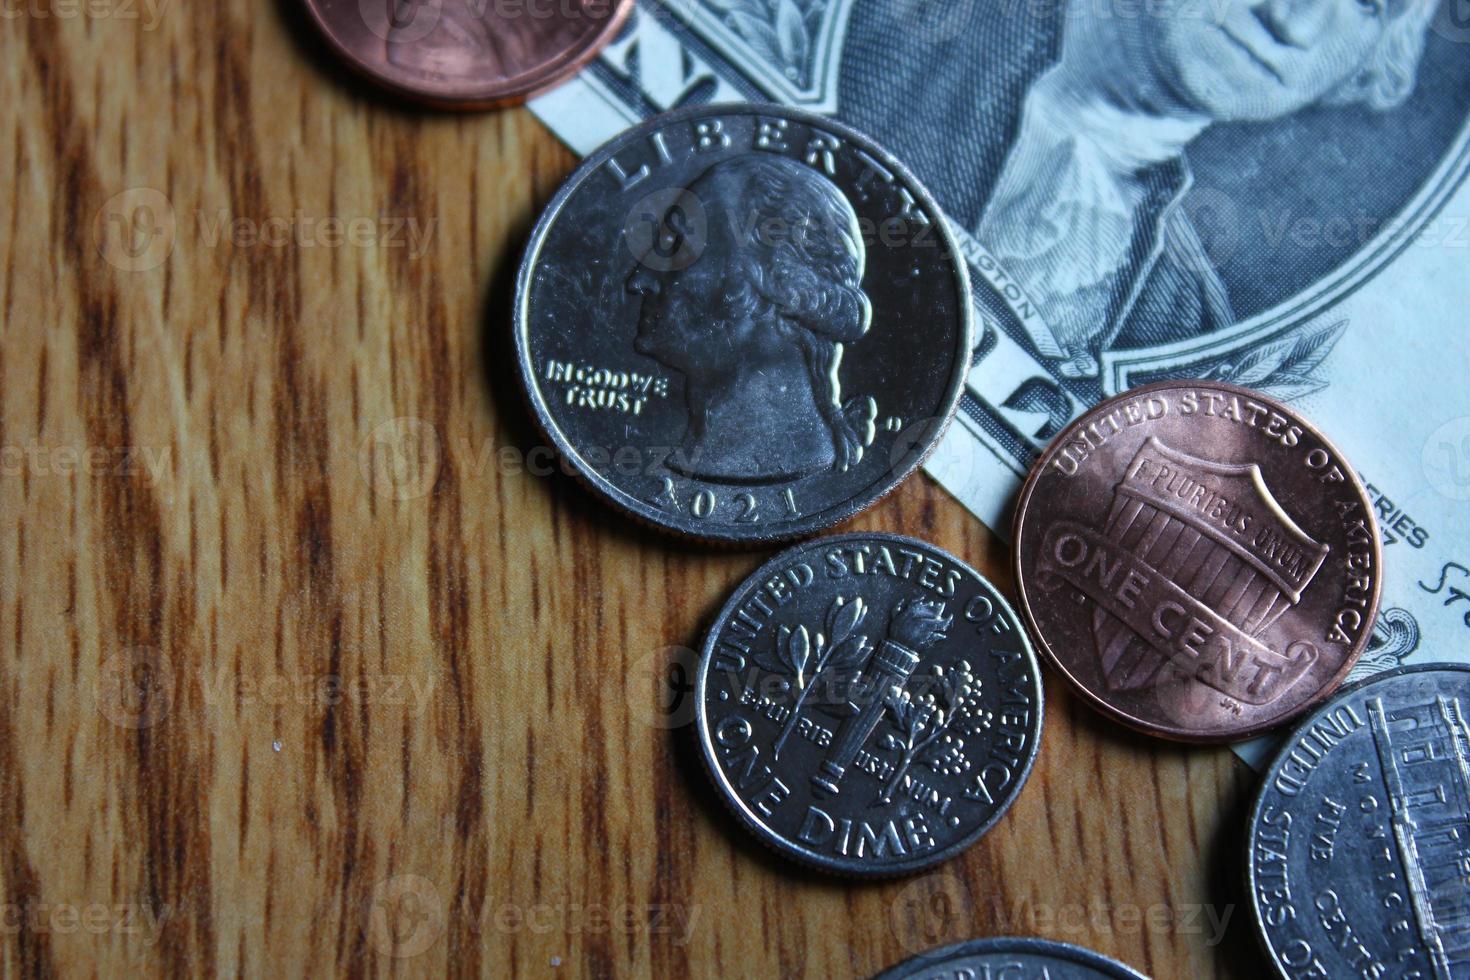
[(807, 656)]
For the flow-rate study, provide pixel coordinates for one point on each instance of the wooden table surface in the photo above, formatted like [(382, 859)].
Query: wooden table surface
[(309, 664)]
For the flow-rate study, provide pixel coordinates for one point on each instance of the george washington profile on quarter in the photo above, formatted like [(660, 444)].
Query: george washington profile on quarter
[(758, 322), (743, 322)]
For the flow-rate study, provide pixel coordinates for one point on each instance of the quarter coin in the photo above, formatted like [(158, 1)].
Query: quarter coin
[(742, 323), (868, 704), (1359, 859), (468, 53), (1197, 560), (1004, 958)]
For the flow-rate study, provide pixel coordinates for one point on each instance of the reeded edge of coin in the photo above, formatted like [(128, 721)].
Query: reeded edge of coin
[(1277, 757), (748, 820), (1137, 724), (1001, 945), (472, 98), (809, 525)]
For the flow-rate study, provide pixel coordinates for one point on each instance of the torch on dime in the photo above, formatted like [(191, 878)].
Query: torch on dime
[(868, 704), (1197, 560)]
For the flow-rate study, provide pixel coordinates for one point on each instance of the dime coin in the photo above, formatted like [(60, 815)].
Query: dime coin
[(1197, 560), (1010, 959), (742, 323), (868, 704), (468, 53), (1359, 859)]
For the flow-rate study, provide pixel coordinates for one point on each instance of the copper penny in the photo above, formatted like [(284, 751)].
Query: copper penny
[(1197, 560), (468, 53)]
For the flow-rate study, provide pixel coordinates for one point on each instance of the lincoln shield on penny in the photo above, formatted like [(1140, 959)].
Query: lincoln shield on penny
[(1198, 560)]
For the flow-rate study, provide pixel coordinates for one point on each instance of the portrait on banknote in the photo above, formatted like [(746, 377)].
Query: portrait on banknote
[(1142, 176)]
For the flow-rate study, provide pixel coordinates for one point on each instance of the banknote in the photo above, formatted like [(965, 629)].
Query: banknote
[(1259, 192)]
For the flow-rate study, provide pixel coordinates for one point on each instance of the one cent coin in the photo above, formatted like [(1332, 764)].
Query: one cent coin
[(743, 323), (1197, 560), (1010, 959), (1359, 859), (868, 704), (468, 53)]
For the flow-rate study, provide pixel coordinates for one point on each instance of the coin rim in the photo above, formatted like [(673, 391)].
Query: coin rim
[(808, 525), (1218, 736), (738, 807), (526, 85), (1035, 946), (1288, 743)]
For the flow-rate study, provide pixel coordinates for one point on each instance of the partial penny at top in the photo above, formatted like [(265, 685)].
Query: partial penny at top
[(1003, 958), (743, 323), (1198, 560), (469, 53)]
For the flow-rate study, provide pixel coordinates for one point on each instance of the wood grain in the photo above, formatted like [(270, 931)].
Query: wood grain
[(306, 670)]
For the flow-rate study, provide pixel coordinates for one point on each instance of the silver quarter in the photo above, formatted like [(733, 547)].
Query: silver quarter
[(868, 704), (743, 323), (1010, 959), (1359, 860)]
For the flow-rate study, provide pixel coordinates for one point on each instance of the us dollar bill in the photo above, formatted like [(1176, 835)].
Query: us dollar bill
[(1268, 194)]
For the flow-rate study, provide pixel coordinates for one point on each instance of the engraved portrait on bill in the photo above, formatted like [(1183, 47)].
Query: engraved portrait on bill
[(1059, 135)]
